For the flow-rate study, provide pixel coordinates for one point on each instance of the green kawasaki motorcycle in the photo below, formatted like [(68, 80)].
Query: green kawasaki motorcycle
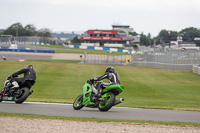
[(104, 103)]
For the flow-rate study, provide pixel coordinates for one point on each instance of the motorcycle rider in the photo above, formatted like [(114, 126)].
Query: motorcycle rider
[(29, 77), (112, 77)]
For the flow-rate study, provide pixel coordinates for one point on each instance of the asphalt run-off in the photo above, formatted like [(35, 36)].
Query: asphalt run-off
[(118, 113)]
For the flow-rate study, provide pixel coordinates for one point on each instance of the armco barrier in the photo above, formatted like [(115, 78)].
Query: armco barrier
[(196, 69), (100, 48), (28, 50), (37, 43), (40, 43)]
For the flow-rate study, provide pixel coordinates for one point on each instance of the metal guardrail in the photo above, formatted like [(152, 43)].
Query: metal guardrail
[(28, 40), (173, 59), (106, 59), (27, 50)]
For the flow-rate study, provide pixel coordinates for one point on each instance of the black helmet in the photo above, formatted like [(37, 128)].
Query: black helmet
[(29, 67), (110, 69)]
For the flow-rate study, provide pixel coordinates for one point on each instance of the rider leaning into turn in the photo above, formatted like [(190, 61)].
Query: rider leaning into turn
[(112, 77), (29, 77)]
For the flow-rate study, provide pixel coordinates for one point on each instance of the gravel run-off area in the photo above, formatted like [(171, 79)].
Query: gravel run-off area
[(26, 125)]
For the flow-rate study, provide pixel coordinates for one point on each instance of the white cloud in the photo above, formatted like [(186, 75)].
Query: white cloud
[(124, 4), (143, 15)]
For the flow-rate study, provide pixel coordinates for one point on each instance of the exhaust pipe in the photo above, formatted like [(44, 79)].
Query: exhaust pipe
[(118, 101)]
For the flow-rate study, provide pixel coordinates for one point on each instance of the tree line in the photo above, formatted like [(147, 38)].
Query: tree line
[(18, 29), (164, 36)]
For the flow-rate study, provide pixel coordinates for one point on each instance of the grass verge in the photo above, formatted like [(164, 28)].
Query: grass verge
[(62, 82), (97, 120)]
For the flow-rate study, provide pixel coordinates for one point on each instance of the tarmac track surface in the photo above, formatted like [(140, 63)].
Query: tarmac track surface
[(16, 56), (119, 113), (67, 110)]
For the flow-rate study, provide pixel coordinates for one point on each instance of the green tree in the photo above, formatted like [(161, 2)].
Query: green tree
[(145, 40), (166, 36), (44, 32), (190, 32), (135, 47), (163, 33), (15, 30), (75, 40), (30, 30), (133, 33)]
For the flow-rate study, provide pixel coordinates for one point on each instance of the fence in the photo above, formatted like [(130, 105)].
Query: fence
[(106, 59), (28, 40), (173, 59)]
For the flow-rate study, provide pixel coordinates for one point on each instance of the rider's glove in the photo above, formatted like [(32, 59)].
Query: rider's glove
[(9, 77), (91, 80)]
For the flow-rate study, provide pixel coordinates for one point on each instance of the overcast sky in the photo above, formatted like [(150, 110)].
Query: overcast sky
[(147, 16)]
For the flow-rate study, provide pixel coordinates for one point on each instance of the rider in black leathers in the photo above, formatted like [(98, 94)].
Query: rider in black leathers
[(29, 77), (112, 77)]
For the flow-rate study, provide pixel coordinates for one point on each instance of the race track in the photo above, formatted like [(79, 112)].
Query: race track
[(16, 56), (120, 113), (67, 110)]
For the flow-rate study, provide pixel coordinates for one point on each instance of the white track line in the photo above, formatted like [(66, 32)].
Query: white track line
[(61, 104)]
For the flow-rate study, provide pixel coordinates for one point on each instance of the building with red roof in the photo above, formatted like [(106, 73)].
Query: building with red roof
[(117, 37)]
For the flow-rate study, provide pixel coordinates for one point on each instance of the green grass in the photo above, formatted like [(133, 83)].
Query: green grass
[(80, 51), (62, 81), (96, 120)]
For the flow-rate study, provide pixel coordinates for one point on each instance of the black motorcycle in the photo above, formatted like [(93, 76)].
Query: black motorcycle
[(20, 94)]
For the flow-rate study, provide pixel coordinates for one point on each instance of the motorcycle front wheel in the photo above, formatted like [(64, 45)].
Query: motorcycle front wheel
[(78, 103), (106, 105)]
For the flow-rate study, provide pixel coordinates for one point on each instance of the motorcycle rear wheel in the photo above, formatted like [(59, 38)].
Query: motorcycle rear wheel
[(1, 97), (23, 96), (106, 105), (78, 103)]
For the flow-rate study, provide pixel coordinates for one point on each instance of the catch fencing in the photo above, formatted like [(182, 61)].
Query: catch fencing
[(28, 40), (107, 59), (173, 59)]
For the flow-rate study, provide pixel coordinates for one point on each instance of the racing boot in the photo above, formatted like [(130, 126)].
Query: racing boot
[(98, 95)]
